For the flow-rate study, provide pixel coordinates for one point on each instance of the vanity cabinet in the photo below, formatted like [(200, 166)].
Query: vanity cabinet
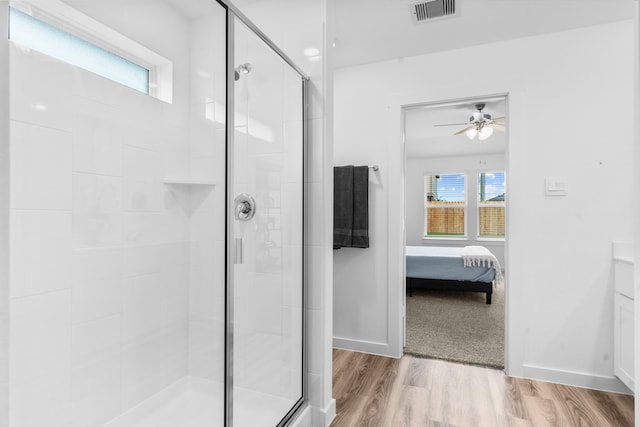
[(623, 312)]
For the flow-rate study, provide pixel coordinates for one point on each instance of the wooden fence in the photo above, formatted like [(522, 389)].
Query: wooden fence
[(491, 221), (448, 219)]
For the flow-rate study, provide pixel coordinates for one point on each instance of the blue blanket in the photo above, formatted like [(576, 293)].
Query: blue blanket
[(447, 267)]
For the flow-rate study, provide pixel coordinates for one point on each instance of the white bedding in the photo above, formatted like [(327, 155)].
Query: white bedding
[(443, 251)]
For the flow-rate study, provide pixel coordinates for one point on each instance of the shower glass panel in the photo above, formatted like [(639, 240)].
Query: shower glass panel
[(267, 225)]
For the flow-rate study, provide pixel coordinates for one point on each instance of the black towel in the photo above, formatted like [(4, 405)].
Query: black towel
[(342, 206), (350, 207), (360, 207)]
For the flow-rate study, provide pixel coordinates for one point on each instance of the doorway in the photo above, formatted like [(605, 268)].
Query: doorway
[(455, 208)]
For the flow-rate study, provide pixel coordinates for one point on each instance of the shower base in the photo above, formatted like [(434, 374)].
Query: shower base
[(195, 402)]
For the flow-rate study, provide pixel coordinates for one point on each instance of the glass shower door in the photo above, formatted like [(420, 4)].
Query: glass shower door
[(266, 227)]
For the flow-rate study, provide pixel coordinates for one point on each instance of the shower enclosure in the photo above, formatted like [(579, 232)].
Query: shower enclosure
[(265, 310), (157, 268)]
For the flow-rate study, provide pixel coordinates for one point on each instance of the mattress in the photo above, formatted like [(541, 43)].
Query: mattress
[(443, 263)]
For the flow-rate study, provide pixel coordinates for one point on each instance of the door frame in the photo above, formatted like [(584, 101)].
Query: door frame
[(400, 306)]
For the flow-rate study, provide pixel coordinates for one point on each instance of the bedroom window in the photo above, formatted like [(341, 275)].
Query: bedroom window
[(445, 205), (491, 204)]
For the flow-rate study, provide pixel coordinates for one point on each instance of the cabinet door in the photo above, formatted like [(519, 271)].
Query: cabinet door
[(623, 340)]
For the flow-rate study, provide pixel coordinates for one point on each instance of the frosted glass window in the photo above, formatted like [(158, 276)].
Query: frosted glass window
[(52, 41)]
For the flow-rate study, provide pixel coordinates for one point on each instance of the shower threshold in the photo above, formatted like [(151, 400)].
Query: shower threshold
[(196, 402)]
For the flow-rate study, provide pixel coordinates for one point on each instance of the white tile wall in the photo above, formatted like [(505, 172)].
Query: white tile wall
[(46, 103), (315, 155), (97, 144), (4, 223), (206, 349), (40, 252), (99, 248), (292, 162), (97, 282), (154, 334), (207, 163), (97, 210), (40, 357), (175, 156), (40, 167), (142, 228), (291, 200), (206, 296), (315, 296), (315, 212), (143, 188), (96, 371), (291, 353), (292, 274), (257, 365)]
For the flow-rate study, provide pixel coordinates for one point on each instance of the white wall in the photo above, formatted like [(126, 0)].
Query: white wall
[(417, 168), (4, 219), (636, 229), (559, 294)]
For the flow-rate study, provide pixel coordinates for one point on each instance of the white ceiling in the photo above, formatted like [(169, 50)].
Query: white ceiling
[(424, 139), (374, 30), (367, 31)]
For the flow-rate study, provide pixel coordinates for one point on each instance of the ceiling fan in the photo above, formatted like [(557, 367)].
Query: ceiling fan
[(480, 124)]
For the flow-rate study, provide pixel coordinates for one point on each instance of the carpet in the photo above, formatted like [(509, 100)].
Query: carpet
[(456, 326)]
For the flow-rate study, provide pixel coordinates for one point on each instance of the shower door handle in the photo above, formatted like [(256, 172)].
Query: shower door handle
[(245, 207), (239, 252)]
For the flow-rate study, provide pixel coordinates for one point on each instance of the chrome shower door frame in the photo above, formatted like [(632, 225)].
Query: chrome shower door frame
[(232, 13)]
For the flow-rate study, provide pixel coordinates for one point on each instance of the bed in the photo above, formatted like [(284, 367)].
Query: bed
[(469, 269)]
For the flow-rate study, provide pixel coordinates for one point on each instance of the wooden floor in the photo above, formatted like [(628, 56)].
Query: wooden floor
[(381, 391)]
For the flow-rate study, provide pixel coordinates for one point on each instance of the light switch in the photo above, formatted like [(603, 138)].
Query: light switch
[(555, 186)]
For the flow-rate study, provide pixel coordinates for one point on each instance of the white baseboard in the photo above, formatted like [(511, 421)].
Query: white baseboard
[(577, 379), (323, 417), (380, 349)]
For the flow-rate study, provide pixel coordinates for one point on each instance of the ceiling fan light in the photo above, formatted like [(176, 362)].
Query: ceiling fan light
[(485, 133), (471, 133)]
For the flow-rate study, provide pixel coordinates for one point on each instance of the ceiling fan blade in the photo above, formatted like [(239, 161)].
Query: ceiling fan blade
[(499, 119), (453, 124), (499, 127), (464, 130)]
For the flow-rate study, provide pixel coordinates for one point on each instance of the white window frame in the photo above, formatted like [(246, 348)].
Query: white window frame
[(465, 206), (66, 18), (480, 205)]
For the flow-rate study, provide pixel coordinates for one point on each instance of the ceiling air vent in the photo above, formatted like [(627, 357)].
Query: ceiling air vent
[(426, 10)]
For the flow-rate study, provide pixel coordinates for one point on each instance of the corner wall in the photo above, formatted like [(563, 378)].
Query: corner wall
[(560, 288), (636, 180), (4, 218)]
